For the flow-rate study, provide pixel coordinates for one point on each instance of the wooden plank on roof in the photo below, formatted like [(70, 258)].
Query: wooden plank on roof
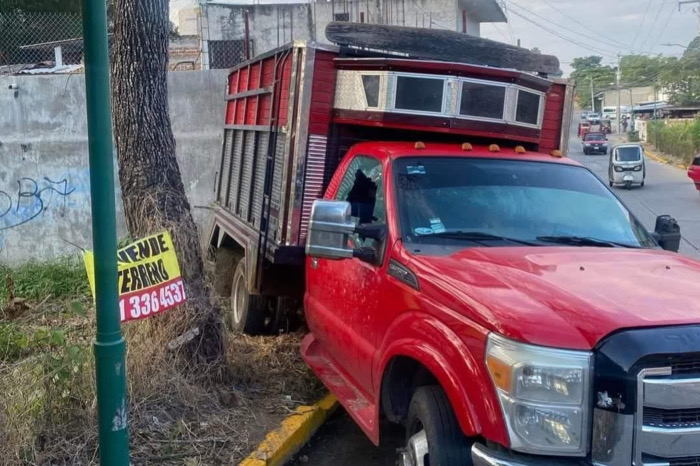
[(438, 44)]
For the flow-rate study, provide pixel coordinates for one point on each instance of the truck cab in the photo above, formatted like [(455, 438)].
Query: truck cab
[(459, 275), (481, 295)]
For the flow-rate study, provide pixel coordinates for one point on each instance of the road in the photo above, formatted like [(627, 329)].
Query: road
[(667, 190)]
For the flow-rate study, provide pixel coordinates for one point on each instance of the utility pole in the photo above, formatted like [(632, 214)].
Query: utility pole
[(592, 95), (695, 10), (619, 93), (109, 345)]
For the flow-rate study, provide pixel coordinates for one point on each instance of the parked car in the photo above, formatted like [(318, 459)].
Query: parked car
[(627, 166), (694, 172), (496, 300), (595, 142), (584, 115)]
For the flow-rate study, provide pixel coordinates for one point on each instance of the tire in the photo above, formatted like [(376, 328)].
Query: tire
[(611, 183), (246, 313), (641, 185), (431, 418)]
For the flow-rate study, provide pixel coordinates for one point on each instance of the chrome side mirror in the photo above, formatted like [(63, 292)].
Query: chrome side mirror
[(329, 228)]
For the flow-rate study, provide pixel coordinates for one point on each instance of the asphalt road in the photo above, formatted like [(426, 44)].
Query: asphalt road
[(667, 190)]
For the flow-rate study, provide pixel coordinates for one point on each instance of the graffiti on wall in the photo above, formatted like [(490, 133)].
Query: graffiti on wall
[(31, 198)]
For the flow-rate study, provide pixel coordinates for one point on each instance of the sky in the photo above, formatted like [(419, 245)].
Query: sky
[(601, 27), (579, 28)]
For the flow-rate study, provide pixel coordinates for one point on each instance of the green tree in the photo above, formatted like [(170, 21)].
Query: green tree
[(589, 71), (681, 76), (640, 70)]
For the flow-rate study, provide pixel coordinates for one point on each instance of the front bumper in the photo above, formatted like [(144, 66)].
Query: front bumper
[(484, 456)]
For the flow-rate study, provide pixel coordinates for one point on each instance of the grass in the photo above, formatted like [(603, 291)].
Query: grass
[(177, 415), (64, 278), (679, 140)]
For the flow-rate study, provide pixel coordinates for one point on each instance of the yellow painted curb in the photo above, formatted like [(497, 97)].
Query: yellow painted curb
[(283, 442)]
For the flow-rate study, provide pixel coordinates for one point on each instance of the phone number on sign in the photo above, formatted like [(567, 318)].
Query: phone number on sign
[(159, 299)]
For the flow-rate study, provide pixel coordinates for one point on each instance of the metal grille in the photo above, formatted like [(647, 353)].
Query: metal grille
[(276, 185), (259, 179), (688, 366), (694, 461), (228, 53), (236, 172), (32, 40), (672, 417), (226, 166), (313, 182), (247, 174)]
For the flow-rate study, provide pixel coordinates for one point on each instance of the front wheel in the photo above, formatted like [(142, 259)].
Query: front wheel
[(433, 435)]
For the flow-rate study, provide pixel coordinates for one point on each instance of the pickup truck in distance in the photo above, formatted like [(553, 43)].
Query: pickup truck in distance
[(458, 275)]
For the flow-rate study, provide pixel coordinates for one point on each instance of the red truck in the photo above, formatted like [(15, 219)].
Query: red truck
[(694, 171), (458, 275)]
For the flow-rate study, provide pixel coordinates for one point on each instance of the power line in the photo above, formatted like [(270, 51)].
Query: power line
[(651, 29), (639, 29), (611, 41), (553, 23), (500, 32), (559, 35), (668, 21)]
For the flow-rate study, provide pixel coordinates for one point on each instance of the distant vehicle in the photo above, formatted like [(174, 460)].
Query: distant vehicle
[(627, 166), (694, 171), (583, 128), (595, 142), (593, 118), (610, 113)]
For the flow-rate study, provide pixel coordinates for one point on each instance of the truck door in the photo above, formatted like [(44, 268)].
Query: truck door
[(343, 295)]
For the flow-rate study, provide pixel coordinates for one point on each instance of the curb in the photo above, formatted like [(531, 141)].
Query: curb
[(283, 442)]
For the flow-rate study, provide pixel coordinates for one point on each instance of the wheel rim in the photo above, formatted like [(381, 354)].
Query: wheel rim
[(238, 301), (416, 452)]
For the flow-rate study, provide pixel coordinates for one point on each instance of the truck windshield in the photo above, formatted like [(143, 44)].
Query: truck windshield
[(489, 202)]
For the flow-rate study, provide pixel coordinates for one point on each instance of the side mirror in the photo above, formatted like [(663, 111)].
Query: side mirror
[(667, 233), (329, 228)]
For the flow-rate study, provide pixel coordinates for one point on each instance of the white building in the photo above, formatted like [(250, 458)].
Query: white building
[(272, 23)]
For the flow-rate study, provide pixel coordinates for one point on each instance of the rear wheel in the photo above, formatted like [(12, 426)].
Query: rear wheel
[(247, 312), (433, 435)]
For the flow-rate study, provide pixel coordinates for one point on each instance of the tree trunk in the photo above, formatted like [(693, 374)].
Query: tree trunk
[(152, 189)]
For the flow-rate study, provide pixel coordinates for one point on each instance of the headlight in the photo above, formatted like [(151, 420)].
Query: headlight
[(638, 168), (588, 144), (619, 169), (544, 394)]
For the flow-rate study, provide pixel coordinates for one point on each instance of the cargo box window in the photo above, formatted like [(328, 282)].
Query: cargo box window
[(482, 100), (371, 85), (528, 109), (419, 94)]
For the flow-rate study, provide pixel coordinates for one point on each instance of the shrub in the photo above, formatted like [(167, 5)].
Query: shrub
[(65, 278), (681, 140)]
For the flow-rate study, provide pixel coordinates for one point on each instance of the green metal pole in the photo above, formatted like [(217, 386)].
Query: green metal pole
[(110, 346)]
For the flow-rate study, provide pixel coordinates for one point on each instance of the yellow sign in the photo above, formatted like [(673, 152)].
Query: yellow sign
[(149, 277)]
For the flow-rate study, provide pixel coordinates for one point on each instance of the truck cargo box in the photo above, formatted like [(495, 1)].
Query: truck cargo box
[(292, 113)]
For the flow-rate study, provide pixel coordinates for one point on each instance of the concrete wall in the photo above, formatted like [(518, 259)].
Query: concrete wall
[(44, 176)]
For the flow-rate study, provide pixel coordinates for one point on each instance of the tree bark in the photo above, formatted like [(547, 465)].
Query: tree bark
[(152, 190)]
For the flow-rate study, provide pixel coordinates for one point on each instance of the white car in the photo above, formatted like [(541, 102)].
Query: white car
[(593, 118)]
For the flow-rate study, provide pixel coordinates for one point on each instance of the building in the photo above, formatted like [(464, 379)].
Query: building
[(221, 24), (631, 96)]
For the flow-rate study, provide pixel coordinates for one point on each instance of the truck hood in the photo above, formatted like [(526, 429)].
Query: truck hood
[(566, 297)]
